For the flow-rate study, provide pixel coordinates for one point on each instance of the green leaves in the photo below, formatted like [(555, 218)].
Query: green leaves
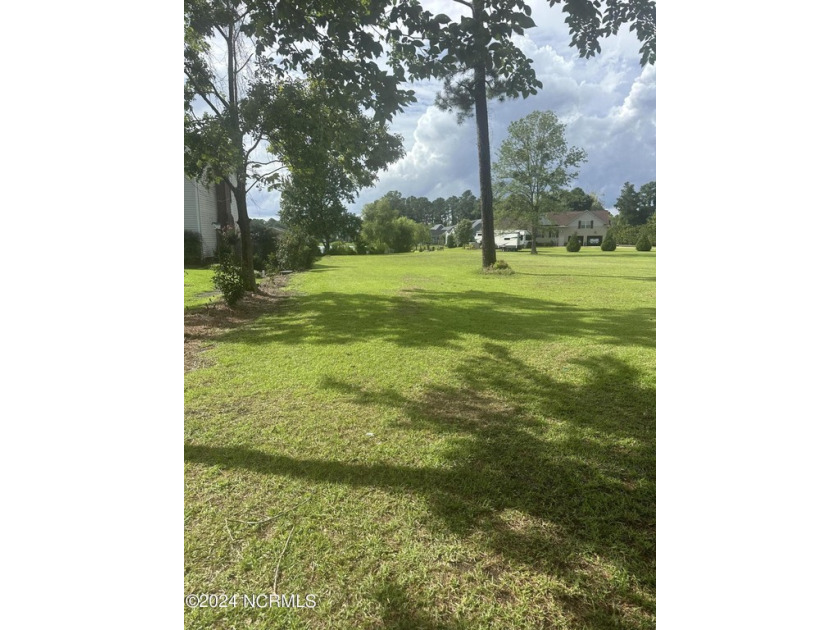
[(636, 207), (331, 149), (588, 24), (534, 164)]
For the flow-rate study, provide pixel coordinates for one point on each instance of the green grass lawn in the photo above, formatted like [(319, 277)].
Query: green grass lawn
[(420, 445), (196, 283)]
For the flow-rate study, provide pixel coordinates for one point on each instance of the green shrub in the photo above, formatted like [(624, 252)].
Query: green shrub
[(625, 234), (341, 249), (463, 232), (272, 266), (192, 248), (574, 243), (450, 240), (228, 240), (297, 250), (643, 245), (499, 267), (263, 243), (609, 243), (227, 278)]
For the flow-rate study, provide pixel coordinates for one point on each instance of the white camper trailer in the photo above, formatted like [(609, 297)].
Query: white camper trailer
[(509, 240)]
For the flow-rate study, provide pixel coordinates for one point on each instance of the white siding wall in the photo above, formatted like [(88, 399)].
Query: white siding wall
[(200, 214), (190, 207), (599, 228)]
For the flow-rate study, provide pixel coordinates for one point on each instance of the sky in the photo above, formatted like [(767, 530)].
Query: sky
[(607, 102)]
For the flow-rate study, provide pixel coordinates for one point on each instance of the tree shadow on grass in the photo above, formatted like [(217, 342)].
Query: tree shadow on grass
[(322, 267), (554, 476), (417, 317)]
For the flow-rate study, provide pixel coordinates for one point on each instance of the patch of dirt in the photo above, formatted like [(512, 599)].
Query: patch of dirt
[(202, 326)]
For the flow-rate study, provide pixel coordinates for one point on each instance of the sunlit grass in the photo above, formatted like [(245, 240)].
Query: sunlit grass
[(441, 448), (197, 283)]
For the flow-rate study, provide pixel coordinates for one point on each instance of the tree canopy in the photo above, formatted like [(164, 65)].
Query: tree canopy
[(240, 57), (384, 229), (331, 150), (444, 211), (636, 207), (535, 164)]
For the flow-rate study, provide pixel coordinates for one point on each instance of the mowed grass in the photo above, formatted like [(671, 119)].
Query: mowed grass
[(420, 445), (197, 283)]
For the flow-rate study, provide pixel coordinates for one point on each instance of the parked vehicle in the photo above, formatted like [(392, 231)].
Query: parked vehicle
[(509, 240)]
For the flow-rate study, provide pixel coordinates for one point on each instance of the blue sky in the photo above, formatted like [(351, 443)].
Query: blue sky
[(607, 102)]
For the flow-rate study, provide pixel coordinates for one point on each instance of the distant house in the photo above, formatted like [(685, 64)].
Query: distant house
[(590, 225), (437, 234), (205, 209)]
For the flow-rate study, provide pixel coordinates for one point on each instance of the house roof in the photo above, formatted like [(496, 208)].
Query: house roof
[(564, 219)]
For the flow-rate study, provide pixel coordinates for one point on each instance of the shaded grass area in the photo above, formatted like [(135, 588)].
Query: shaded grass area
[(422, 446)]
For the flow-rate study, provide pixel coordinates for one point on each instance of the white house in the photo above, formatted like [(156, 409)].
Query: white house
[(590, 225), (205, 208)]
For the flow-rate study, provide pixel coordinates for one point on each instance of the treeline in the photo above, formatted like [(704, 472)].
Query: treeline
[(636, 218), (447, 211)]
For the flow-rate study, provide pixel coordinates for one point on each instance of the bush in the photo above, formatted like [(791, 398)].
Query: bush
[(227, 278), (403, 235), (463, 232), (450, 240), (297, 250), (192, 248), (272, 267), (609, 243), (499, 267), (625, 234), (263, 243), (574, 243), (341, 249), (228, 241), (643, 245)]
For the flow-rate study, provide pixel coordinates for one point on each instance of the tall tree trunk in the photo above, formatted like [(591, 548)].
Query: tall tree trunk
[(239, 190), (488, 240), (534, 239), (245, 234)]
